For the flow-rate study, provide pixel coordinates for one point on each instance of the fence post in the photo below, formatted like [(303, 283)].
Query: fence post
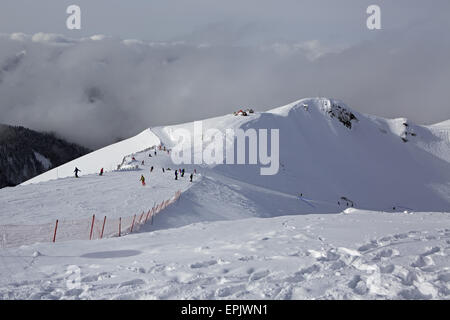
[(56, 228), (146, 217), (103, 228), (132, 224), (120, 224), (92, 226), (140, 218)]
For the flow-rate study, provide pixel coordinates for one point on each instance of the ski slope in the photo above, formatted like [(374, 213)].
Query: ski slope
[(319, 157), (237, 234), (115, 194), (108, 158)]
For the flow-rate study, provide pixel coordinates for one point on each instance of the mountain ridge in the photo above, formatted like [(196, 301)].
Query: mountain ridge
[(321, 156)]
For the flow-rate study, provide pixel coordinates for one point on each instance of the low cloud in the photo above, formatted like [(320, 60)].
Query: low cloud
[(97, 90)]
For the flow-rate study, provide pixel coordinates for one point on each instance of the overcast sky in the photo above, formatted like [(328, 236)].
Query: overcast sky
[(163, 20), (259, 53)]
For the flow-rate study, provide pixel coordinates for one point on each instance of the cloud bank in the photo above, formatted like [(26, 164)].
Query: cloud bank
[(97, 90)]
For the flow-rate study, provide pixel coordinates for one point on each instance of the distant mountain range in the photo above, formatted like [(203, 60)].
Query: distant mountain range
[(25, 153)]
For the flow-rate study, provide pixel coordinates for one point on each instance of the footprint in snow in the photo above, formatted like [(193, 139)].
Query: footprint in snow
[(90, 278), (330, 255), (401, 236), (250, 270), (358, 285), (73, 292), (385, 253), (386, 239), (133, 283), (414, 294), (387, 269), (310, 269), (338, 265), (204, 264), (444, 277), (258, 275), (228, 291), (247, 258), (368, 246), (408, 278), (299, 276), (431, 251), (422, 261)]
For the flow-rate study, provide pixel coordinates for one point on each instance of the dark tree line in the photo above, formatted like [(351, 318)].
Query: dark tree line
[(18, 161)]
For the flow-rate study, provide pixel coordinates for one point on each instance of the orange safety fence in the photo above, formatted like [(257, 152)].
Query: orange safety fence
[(82, 229)]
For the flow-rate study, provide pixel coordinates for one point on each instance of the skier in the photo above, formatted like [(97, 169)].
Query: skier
[(142, 162), (142, 179), (182, 172), (191, 176), (155, 152), (76, 172), (195, 171), (163, 170), (176, 175), (101, 171), (150, 155), (151, 169)]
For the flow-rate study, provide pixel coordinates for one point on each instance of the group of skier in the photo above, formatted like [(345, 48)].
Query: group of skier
[(180, 172), (78, 170)]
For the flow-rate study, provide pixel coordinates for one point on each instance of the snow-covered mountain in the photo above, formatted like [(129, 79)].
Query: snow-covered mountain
[(327, 151), (393, 243)]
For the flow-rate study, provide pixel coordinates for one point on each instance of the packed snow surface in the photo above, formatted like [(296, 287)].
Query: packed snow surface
[(359, 255), (108, 158), (358, 209)]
